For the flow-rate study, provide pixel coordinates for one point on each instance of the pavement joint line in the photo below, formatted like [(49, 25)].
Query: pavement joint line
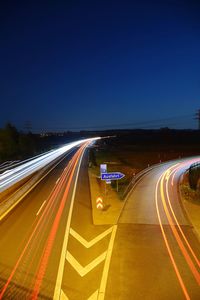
[(104, 278), (91, 243), (41, 208), (57, 290), (82, 271)]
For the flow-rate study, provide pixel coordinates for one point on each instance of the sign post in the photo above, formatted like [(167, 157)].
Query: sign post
[(112, 176), (103, 168)]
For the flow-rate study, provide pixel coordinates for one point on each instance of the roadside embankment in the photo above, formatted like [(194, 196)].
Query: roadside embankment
[(191, 202)]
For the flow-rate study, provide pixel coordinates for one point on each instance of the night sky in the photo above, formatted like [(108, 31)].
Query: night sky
[(91, 64)]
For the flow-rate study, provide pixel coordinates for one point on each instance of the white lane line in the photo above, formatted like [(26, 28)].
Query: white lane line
[(41, 208), (63, 296), (104, 278), (89, 244), (82, 271), (58, 179), (57, 289)]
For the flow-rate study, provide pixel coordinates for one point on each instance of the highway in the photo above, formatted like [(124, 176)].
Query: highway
[(156, 253), (50, 248), (31, 236)]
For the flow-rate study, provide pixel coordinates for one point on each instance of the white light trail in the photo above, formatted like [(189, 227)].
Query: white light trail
[(18, 173)]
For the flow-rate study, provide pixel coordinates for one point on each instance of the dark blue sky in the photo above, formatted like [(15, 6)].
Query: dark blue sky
[(76, 64)]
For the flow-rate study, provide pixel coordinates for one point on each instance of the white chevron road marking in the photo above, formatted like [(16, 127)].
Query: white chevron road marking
[(89, 244), (93, 296), (63, 296), (82, 271)]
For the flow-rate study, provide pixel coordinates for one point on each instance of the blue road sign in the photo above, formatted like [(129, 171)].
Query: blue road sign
[(112, 176)]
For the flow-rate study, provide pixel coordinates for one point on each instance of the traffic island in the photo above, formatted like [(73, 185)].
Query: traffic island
[(106, 204)]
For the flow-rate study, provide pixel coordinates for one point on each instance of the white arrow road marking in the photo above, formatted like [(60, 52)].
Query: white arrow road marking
[(63, 296), (93, 296), (82, 271), (89, 244)]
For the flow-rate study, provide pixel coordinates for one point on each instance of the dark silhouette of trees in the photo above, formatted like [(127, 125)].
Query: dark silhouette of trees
[(8, 142), (92, 157), (14, 144)]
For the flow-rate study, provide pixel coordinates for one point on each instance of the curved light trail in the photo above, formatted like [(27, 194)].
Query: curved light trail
[(163, 186)]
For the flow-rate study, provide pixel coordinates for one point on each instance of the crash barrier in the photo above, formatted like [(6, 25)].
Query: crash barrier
[(135, 179), (139, 175), (194, 175)]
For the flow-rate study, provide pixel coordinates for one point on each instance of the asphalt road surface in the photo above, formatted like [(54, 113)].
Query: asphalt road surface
[(31, 237), (50, 248), (156, 253)]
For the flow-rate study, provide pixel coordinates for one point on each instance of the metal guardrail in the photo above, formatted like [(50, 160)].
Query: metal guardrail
[(134, 180), (194, 175), (140, 175), (195, 165)]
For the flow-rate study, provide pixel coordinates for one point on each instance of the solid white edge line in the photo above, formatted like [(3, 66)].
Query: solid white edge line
[(104, 278), (57, 290)]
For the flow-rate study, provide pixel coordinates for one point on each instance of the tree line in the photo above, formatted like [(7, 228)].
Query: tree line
[(15, 144)]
